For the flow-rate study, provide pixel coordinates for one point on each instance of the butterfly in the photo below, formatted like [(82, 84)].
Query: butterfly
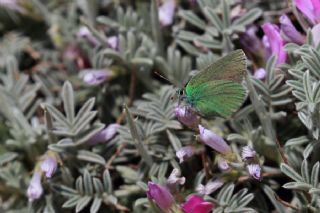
[(217, 90)]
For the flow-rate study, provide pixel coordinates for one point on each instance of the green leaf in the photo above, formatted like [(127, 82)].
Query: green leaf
[(248, 18), (192, 18), (7, 157), (213, 18), (315, 175), (72, 202), (136, 138), (87, 183), (305, 171), (82, 203), (107, 181), (95, 205), (225, 194), (90, 157), (297, 185), (290, 172), (68, 101)]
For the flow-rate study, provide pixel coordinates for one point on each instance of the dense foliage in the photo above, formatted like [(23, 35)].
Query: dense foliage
[(88, 122)]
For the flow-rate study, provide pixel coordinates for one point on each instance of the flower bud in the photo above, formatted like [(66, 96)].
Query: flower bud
[(49, 166), (105, 135), (184, 153), (161, 196), (35, 189), (175, 178), (96, 77), (213, 140), (209, 188), (196, 204), (166, 12), (223, 164), (254, 171), (186, 116), (289, 31), (247, 153)]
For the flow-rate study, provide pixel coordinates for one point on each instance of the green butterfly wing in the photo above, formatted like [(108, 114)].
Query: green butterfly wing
[(221, 97), (230, 67), (217, 89)]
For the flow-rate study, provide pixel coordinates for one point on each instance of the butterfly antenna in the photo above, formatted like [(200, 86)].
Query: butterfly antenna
[(161, 76)]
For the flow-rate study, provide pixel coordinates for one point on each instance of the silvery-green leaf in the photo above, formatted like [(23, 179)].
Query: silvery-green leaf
[(290, 172), (90, 157), (297, 185), (248, 17), (95, 206), (192, 18), (68, 101), (7, 157), (271, 195), (315, 175), (213, 18), (141, 201), (82, 203), (225, 193), (107, 181), (71, 202)]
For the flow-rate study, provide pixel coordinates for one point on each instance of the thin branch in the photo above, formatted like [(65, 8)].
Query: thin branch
[(285, 203)]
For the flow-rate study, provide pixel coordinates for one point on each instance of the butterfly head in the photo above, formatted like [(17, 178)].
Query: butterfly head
[(179, 95)]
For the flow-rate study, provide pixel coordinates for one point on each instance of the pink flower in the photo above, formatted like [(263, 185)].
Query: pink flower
[(213, 140), (185, 152), (289, 31), (196, 204), (210, 187), (85, 33), (186, 115), (35, 189), (254, 171), (310, 8), (12, 5), (105, 135), (273, 40), (49, 166), (161, 196), (166, 12), (247, 153), (175, 178), (316, 34), (260, 73), (113, 42), (223, 164), (96, 77)]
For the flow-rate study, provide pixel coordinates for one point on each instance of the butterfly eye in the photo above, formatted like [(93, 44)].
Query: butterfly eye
[(180, 92)]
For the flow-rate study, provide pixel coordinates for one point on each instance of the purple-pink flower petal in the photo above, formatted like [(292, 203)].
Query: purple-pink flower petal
[(105, 135), (113, 42), (184, 153), (96, 77), (213, 140), (166, 12), (260, 73), (49, 166), (160, 195), (35, 189), (316, 34), (247, 153), (310, 8), (196, 204), (223, 164), (275, 41), (186, 115), (289, 31), (254, 171), (175, 178)]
